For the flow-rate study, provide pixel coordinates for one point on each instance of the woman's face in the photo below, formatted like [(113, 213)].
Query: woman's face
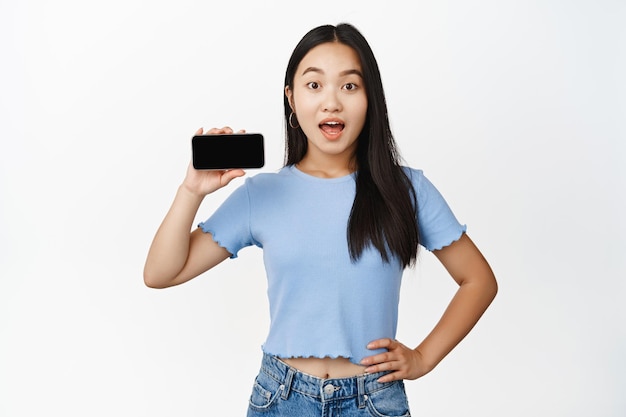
[(330, 101)]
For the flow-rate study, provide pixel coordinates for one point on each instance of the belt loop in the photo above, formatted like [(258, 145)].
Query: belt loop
[(360, 381), (287, 384)]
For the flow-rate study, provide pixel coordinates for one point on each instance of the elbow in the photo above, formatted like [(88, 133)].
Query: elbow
[(485, 285), (494, 291), (151, 283), (491, 287), (152, 280)]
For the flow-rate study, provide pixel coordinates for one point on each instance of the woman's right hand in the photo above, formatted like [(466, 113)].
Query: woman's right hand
[(201, 182)]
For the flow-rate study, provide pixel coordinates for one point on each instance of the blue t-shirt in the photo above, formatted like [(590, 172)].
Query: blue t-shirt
[(322, 304)]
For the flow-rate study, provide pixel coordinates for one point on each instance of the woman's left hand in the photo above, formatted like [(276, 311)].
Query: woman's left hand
[(402, 361)]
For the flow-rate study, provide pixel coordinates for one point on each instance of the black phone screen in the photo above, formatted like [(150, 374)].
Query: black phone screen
[(228, 151)]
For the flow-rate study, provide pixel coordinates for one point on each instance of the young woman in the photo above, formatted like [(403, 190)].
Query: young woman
[(338, 225)]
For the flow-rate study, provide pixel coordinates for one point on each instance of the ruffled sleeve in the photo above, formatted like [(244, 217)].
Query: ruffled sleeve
[(230, 223), (437, 224)]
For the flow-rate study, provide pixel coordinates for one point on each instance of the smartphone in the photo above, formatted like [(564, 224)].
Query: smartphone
[(237, 150)]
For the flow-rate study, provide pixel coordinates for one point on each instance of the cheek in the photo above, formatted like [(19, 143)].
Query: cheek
[(360, 102), (304, 106), (361, 111)]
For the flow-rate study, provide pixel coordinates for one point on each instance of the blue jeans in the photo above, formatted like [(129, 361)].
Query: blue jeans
[(280, 390)]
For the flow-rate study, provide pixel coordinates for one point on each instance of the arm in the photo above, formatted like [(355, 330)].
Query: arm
[(176, 254), (477, 288)]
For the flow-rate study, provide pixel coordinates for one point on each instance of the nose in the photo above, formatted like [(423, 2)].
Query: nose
[(332, 102)]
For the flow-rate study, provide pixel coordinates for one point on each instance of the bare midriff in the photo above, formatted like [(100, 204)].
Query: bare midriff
[(327, 368)]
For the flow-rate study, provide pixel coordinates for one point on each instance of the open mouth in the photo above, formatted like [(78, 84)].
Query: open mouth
[(332, 127)]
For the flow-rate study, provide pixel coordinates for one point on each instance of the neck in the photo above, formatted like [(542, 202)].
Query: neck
[(327, 167)]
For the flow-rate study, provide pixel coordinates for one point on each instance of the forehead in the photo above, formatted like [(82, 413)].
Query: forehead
[(331, 57)]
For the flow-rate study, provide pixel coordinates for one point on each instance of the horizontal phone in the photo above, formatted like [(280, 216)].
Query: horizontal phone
[(237, 150)]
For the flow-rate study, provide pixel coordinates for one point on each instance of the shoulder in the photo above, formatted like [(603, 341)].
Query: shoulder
[(267, 175), (264, 179), (425, 190), (415, 176), (268, 184)]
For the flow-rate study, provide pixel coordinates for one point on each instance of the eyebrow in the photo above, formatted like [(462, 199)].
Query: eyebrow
[(342, 73)]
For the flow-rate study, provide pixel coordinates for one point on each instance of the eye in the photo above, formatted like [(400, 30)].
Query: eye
[(313, 85), (350, 86)]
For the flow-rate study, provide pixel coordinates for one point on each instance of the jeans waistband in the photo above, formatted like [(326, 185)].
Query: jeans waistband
[(322, 389)]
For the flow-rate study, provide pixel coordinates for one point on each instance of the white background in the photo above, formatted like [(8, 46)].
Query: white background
[(514, 109)]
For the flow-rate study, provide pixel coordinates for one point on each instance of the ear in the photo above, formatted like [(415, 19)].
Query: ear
[(289, 95)]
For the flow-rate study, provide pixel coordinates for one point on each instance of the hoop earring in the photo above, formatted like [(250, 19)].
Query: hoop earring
[(291, 121)]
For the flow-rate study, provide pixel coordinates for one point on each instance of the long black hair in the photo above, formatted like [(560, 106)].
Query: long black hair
[(384, 210)]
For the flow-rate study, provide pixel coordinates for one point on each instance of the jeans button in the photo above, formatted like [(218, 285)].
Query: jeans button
[(329, 389)]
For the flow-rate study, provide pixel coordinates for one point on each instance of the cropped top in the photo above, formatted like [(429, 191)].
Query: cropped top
[(322, 304)]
